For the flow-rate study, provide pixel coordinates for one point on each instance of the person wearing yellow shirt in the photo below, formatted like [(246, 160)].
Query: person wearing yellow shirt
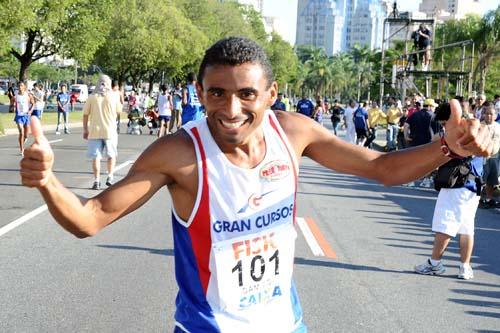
[(393, 115), (286, 100), (375, 117)]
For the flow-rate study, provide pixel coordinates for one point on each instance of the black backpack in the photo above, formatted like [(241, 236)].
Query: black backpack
[(453, 174)]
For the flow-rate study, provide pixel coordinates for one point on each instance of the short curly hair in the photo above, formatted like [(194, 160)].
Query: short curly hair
[(234, 51)]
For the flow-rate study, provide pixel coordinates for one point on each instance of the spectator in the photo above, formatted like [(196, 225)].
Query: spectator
[(278, 105), (62, 109), (191, 106), (393, 115), (375, 116), (349, 121), (492, 163), (360, 118), (305, 106), (337, 114), (99, 128)]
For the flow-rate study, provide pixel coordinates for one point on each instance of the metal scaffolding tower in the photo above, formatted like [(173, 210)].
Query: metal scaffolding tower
[(403, 72)]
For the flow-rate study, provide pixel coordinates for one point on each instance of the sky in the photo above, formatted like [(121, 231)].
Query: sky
[(286, 11)]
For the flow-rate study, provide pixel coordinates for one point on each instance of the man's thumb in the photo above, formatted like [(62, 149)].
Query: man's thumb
[(455, 114), (37, 130)]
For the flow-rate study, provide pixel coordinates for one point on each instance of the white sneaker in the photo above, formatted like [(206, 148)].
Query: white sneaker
[(427, 269), (465, 273)]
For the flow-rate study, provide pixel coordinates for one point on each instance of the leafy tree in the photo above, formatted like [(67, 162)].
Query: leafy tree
[(67, 28), (147, 38), (283, 60)]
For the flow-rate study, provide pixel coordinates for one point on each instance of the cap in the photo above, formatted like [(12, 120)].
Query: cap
[(430, 102)]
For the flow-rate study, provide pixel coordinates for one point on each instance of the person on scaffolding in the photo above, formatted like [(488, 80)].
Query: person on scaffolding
[(424, 43)]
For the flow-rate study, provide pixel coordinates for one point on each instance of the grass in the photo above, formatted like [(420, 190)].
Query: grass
[(4, 99)]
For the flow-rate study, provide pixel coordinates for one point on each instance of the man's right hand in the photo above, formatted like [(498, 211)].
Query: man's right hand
[(36, 165)]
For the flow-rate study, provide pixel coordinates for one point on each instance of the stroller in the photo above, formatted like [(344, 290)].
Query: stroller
[(136, 121)]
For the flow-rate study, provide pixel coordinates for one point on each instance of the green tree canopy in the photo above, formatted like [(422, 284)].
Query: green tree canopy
[(68, 28)]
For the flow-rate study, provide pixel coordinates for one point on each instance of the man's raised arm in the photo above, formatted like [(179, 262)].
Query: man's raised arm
[(81, 216), (463, 137)]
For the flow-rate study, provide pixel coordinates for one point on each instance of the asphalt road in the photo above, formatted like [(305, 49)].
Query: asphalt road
[(122, 279)]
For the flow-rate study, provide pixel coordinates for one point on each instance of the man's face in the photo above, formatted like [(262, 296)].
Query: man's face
[(489, 116), (480, 100), (63, 89), (235, 98), (22, 88)]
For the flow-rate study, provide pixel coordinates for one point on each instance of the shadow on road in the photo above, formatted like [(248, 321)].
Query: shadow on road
[(164, 252)]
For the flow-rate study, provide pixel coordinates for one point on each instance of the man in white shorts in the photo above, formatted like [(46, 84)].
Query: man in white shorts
[(454, 214), (99, 128)]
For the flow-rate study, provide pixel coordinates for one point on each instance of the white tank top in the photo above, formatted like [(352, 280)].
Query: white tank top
[(234, 255), (22, 104), (164, 105)]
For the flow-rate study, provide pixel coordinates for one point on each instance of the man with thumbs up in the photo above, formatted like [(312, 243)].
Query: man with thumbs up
[(261, 150)]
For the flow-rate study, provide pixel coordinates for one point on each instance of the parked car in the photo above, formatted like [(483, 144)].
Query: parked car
[(82, 92)]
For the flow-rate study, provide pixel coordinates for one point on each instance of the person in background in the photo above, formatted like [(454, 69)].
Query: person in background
[(424, 43), (99, 128), (286, 100), (393, 115), (349, 121), (402, 144), (11, 94), (63, 104), (39, 98), (24, 104), (375, 117), (164, 106), (318, 112), (191, 106), (117, 94), (492, 163), (279, 105), (478, 106), (177, 110), (360, 118), (305, 106), (337, 114)]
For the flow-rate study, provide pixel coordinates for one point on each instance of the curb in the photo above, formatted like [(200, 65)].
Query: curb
[(48, 128)]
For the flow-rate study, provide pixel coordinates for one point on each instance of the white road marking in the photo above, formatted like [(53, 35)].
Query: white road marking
[(123, 165), (16, 223), (310, 239), (57, 140), (22, 219)]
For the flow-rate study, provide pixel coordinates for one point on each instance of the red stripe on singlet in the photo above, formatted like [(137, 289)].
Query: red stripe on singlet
[(199, 230), (275, 127)]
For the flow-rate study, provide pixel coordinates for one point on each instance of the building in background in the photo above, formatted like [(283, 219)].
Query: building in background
[(366, 24), (320, 23), (338, 25), (271, 23), (450, 9)]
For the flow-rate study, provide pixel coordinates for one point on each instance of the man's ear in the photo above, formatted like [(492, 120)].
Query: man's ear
[(273, 93), (199, 92)]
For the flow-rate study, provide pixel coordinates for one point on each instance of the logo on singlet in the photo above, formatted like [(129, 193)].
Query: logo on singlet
[(253, 202), (275, 170)]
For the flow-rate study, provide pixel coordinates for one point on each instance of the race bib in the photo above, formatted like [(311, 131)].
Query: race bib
[(255, 269)]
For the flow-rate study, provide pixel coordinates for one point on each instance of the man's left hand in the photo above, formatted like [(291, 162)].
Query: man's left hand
[(467, 137)]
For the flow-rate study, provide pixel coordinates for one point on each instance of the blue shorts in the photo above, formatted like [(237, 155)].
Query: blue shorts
[(165, 118), (98, 148), (37, 113), (23, 120)]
